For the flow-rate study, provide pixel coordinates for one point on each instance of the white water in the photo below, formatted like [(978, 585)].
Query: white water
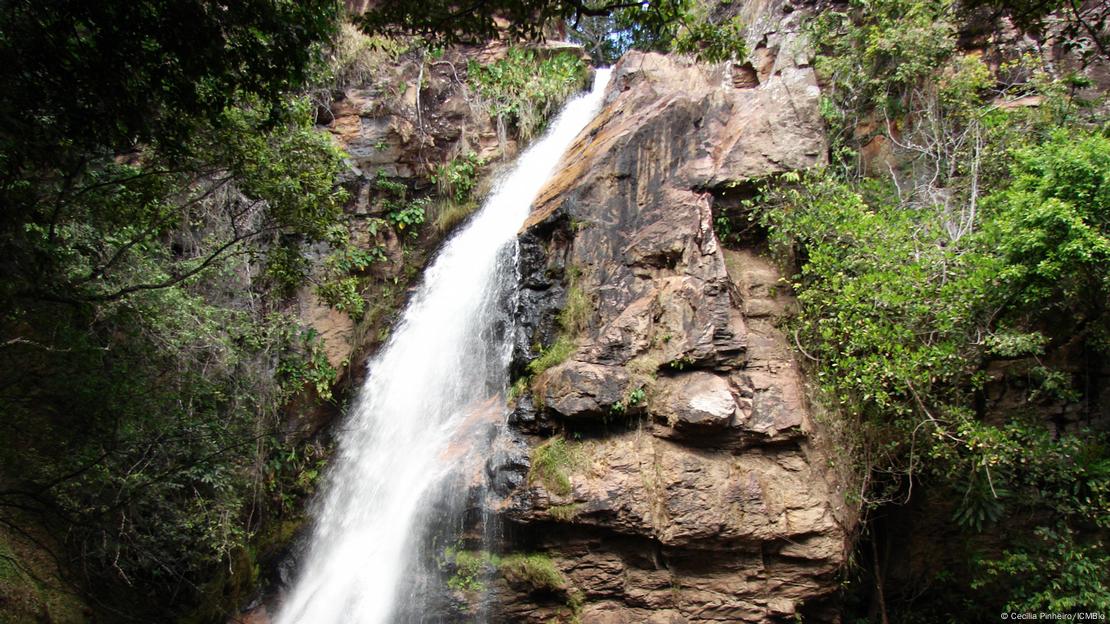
[(444, 360)]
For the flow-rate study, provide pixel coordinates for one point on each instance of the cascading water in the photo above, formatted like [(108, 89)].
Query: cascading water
[(445, 361)]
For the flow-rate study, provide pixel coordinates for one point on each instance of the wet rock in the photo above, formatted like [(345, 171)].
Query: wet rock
[(507, 467)]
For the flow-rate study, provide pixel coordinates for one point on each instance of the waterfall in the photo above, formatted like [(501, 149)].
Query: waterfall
[(443, 368)]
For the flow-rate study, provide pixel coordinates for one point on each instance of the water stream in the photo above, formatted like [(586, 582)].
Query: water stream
[(443, 368)]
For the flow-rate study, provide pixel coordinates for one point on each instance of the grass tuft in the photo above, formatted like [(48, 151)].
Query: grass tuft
[(554, 355), (550, 463), (537, 571), (449, 213)]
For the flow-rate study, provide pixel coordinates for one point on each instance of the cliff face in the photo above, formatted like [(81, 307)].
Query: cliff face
[(392, 129), (690, 483)]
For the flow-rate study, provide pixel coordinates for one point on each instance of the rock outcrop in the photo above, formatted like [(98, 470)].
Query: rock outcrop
[(692, 484)]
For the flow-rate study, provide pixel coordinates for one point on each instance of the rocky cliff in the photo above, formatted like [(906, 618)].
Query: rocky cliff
[(670, 466)]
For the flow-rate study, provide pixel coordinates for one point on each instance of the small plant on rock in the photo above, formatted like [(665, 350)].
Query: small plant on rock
[(550, 463)]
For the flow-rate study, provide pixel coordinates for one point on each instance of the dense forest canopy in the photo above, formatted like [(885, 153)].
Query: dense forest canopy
[(162, 176)]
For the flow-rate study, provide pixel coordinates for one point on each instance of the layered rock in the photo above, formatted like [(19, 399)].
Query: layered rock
[(692, 485)]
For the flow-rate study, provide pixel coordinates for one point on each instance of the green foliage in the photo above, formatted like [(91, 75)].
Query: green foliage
[(984, 238), (1052, 224), (550, 463), (292, 474), (458, 178), (340, 284), (681, 26), (522, 90), (895, 326), (443, 21), (305, 364), (875, 52), (1062, 565), (1079, 28), (400, 210), (1070, 576), (634, 398), (354, 56), (85, 78), (149, 444), (469, 568), (710, 42), (343, 295), (163, 165), (409, 214), (346, 257), (886, 315), (457, 181), (286, 266), (292, 168), (900, 318)]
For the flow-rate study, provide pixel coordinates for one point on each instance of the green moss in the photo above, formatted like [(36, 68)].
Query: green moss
[(552, 356), (575, 600), (470, 566), (519, 387), (572, 320), (537, 571), (550, 463)]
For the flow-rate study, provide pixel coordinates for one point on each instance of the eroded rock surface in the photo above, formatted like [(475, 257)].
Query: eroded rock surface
[(698, 488)]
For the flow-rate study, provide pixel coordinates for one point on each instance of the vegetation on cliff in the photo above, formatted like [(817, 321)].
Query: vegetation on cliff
[(955, 242)]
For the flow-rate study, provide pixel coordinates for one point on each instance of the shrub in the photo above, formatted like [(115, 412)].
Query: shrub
[(457, 179), (522, 90)]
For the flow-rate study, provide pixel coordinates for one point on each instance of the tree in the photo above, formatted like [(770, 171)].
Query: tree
[(607, 27), (155, 157)]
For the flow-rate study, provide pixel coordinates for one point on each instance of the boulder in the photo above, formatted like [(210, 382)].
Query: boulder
[(695, 400)]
